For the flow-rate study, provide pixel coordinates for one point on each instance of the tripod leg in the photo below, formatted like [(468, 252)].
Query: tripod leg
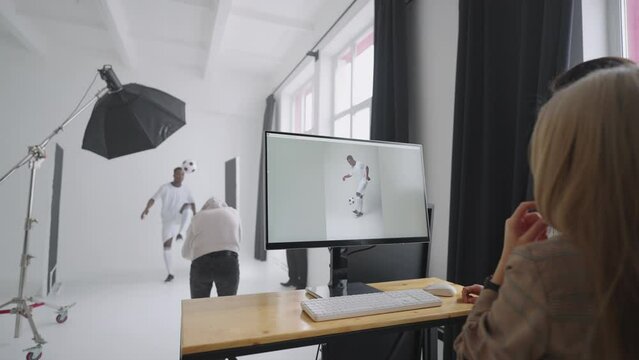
[(7, 303), (36, 336), (16, 334)]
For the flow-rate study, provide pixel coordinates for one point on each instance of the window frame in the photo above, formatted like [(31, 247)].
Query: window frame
[(353, 108), (307, 87)]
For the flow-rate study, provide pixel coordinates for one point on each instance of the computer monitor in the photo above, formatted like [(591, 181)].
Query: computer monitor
[(334, 192)]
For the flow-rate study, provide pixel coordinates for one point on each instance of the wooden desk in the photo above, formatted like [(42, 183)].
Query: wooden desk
[(247, 324)]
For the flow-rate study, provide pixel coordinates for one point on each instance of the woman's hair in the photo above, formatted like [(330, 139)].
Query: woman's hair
[(581, 70), (585, 164)]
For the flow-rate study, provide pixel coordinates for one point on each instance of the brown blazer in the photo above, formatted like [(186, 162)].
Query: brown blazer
[(544, 308)]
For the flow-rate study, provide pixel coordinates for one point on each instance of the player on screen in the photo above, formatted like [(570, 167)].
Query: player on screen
[(361, 173)]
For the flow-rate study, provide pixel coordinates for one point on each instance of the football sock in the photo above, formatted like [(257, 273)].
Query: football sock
[(167, 259)]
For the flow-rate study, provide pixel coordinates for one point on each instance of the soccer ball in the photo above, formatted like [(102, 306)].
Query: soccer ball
[(189, 166), (351, 201)]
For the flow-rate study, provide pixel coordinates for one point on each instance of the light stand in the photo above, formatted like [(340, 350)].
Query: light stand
[(22, 304)]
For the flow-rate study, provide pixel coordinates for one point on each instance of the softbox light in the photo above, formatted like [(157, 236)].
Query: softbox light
[(131, 118)]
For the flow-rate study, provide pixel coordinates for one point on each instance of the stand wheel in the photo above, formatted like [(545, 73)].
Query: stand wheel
[(31, 356), (60, 319)]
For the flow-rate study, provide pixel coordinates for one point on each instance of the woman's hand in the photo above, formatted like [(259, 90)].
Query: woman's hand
[(470, 293), (523, 227)]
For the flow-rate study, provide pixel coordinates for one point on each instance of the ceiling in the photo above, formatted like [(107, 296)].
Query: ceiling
[(252, 36)]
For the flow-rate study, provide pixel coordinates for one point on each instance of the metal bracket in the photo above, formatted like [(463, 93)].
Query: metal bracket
[(30, 223), (313, 54), (38, 152)]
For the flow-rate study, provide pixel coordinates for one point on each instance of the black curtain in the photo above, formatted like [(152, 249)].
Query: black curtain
[(508, 52), (260, 234), (389, 112)]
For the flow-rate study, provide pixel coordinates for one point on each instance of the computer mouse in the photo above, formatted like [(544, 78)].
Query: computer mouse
[(441, 289)]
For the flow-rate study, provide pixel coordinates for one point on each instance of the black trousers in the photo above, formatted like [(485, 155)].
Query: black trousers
[(297, 261), (221, 268)]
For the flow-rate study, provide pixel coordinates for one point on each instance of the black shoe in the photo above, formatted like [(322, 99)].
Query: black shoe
[(179, 237), (359, 214), (287, 284), (169, 278)]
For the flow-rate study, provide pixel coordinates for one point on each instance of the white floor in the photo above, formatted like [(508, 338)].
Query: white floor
[(139, 319)]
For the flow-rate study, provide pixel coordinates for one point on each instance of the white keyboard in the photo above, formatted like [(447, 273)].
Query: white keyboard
[(368, 304)]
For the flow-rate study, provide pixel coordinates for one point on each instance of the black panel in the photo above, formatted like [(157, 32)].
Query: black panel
[(230, 178), (55, 216)]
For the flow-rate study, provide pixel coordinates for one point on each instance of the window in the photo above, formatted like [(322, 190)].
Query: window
[(302, 109), (353, 88), (632, 29)]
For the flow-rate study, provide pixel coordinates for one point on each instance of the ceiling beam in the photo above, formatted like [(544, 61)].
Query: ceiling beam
[(220, 11), (259, 57), (20, 28), (115, 21), (273, 19)]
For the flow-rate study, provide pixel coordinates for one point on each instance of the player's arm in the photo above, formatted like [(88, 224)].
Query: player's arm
[(149, 204), (190, 203), (367, 177), (346, 177)]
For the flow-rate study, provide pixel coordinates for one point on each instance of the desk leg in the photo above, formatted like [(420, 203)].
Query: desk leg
[(450, 334), (429, 345)]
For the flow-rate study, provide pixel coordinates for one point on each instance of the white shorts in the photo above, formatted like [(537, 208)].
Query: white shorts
[(170, 229), (361, 187)]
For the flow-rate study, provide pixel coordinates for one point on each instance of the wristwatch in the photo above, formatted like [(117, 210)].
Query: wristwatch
[(488, 284)]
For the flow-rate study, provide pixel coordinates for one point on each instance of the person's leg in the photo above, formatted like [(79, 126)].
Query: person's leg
[(167, 259), (226, 275), (169, 230), (360, 196), (291, 269), (299, 266), (302, 268), (200, 278), (185, 218), (359, 204), (361, 188)]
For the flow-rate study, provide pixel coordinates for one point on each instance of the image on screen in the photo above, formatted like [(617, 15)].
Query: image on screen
[(324, 191)]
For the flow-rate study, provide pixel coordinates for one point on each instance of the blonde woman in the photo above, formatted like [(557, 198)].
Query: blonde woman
[(576, 295), (577, 72)]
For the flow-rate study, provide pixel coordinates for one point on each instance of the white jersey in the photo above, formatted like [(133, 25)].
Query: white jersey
[(173, 198), (359, 171)]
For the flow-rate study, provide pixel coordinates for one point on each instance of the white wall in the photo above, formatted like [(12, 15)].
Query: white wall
[(432, 46), (595, 28), (100, 230), (602, 28)]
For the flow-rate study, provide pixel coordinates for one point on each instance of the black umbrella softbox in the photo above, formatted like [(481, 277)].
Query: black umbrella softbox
[(133, 119)]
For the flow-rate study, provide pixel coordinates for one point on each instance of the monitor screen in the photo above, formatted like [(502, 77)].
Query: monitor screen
[(325, 192)]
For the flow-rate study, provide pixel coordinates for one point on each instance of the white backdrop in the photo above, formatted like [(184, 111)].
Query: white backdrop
[(100, 229)]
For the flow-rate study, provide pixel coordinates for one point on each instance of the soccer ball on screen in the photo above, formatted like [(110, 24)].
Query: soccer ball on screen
[(351, 201), (189, 166)]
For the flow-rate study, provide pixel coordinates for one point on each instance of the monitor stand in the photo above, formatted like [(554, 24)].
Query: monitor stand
[(339, 285)]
